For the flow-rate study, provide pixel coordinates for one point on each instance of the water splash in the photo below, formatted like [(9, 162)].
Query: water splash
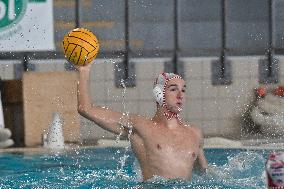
[(124, 122), (243, 170), (55, 138), (97, 168)]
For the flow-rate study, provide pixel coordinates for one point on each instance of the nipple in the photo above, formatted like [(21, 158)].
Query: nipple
[(159, 147), (194, 155)]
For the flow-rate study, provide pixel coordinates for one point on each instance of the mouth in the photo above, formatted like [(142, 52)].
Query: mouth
[(179, 104)]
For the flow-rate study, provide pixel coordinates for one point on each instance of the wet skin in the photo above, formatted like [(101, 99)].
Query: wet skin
[(170, 153), (163, 147), (169, 149)]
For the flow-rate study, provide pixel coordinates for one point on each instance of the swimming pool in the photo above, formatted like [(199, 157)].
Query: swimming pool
[(117, 168)]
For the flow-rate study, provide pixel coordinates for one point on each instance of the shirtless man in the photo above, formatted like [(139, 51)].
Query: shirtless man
[(164, 145)]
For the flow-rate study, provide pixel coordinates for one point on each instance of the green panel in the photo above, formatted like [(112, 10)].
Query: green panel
[(37, 1), (13, 12)]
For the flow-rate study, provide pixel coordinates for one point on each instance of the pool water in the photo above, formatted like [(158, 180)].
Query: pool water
[(117, 168)]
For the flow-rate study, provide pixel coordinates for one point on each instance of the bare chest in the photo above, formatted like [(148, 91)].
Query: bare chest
[(178, 145)]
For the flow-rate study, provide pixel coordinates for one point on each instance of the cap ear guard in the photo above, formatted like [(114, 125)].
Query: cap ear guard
[(158, 95)]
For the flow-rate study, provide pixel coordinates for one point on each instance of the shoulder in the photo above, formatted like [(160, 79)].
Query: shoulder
[(197, 130), (141, 123), (138, 119)]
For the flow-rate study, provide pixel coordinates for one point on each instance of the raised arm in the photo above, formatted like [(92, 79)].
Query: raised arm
[(105, 118)]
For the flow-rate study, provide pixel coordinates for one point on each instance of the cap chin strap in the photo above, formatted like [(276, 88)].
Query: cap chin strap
[(169, 114)]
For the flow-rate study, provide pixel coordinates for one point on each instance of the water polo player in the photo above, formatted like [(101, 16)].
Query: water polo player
[(165, 145)]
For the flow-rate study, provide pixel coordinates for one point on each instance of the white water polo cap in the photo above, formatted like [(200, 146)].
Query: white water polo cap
[(160, 85), (275, 170)]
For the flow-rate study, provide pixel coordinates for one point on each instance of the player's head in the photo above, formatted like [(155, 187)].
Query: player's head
[(169, 89)]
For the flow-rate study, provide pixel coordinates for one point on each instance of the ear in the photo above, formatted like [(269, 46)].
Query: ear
[(158, 95)]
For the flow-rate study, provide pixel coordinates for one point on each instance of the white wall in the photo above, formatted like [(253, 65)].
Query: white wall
[(218, 110)]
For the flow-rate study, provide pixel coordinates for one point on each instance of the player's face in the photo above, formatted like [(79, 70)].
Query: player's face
[(175, 94)]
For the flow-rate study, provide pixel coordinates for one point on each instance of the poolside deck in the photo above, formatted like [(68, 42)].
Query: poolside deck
[(213, 142)]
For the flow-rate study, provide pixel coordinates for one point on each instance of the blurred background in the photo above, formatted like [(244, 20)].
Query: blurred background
[(230, 52)]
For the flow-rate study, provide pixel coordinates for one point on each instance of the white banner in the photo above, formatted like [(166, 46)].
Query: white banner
[(26, 25)]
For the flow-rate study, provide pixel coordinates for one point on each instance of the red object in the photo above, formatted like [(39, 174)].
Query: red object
[(260, 92), (279, 91), (274, 169)]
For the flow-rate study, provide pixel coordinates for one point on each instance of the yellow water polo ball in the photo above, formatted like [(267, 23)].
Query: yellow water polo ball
[(80, 46)]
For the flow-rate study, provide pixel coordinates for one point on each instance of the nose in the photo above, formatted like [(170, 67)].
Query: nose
[(180, 95)]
